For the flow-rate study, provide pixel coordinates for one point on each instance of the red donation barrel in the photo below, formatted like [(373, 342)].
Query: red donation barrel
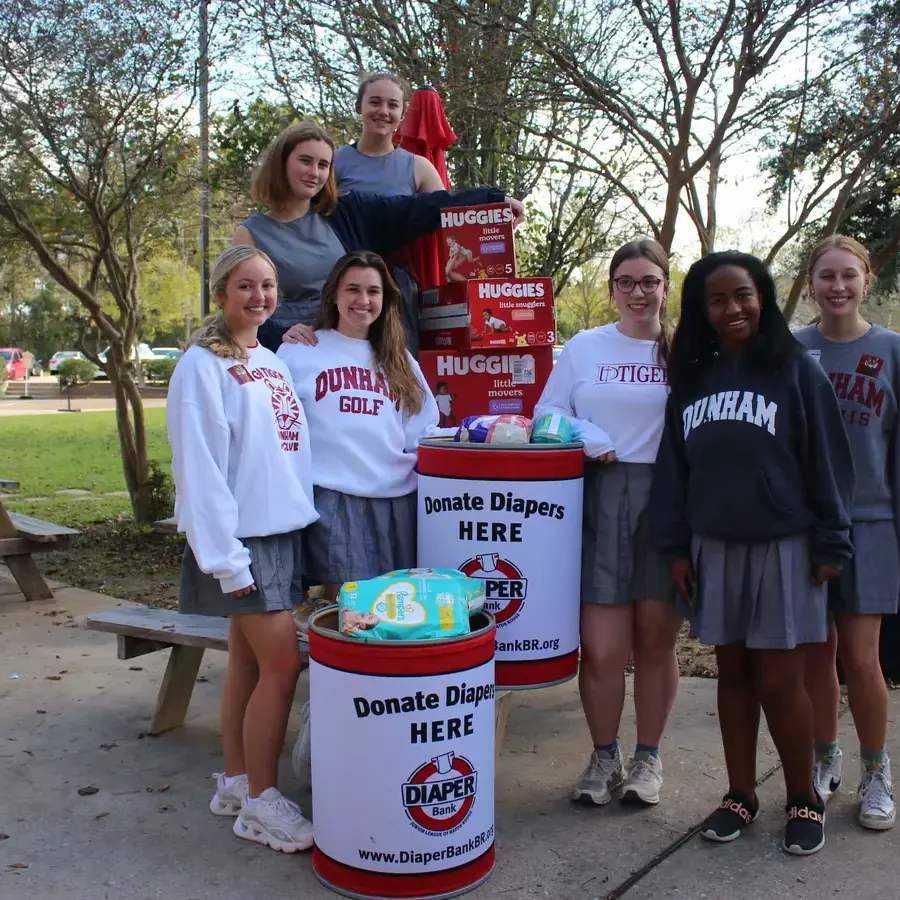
[(402, 744), (511, 515)]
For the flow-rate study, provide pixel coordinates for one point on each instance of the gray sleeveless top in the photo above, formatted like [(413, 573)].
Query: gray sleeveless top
[(304, 252), (393, 175)]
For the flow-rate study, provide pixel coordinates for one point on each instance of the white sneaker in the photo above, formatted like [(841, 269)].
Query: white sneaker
[(276, 822), (603, 775), (227, 800), (301, 758), (827, 775), (876, 798), (643, 781)]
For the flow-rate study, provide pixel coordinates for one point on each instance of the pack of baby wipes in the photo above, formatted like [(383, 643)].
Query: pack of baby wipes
[(553, 428), (494, 430), (410, 604)]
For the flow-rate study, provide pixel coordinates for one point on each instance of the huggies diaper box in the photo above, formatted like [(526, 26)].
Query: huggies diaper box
[(486, 382), (477, 242)]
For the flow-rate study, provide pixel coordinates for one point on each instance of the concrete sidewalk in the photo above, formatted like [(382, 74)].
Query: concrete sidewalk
[(75, 715)]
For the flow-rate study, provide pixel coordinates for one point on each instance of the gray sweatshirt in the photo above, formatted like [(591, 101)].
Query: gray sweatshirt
[(865, 374)]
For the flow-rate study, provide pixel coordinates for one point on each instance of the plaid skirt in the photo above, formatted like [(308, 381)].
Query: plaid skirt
[(870, 582), (276, 567), (759, 594), (618, 564), (356, 538)]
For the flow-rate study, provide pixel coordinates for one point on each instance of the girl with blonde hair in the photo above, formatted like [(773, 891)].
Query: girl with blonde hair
[(863, 362), (243, 480)]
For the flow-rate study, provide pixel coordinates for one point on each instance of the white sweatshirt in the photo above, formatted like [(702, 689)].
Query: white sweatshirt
[(240, 455), (614, 389), (362, 443)]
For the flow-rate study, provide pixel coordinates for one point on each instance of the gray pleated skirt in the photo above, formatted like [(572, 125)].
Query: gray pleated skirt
[(759, 594), (870, 582), (356, 538), (276, 564), (618, 565)]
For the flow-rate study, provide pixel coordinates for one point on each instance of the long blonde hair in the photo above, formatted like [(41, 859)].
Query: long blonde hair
[(386, 334), (213, 334), (270, 185)]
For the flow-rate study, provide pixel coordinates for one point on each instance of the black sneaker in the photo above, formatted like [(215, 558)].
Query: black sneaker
[(804, 833), (735, 813)]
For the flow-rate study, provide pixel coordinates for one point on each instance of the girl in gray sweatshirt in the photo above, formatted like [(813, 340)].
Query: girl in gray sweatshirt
[(863, 363)]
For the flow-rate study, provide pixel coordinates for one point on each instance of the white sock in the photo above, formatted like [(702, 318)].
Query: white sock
[(232, 780), (250, 802)]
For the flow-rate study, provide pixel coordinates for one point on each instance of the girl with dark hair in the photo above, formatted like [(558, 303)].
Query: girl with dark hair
[(863, 362), (611, 381), (750, 502), (307, 227), (368, 405)]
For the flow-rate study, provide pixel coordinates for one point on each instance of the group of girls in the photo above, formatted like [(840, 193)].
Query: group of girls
[(746, 478), (719, 483), (295, 462)]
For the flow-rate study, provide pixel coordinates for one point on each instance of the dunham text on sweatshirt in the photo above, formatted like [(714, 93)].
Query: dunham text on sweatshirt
[(364, 442), (755, 456), (865, 374), (240, 456), (614, 390)]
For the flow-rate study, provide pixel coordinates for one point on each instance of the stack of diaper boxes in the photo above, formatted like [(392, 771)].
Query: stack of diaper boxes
[(486, 336)]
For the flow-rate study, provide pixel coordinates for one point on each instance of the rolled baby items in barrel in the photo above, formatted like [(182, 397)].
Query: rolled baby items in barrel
[(402, 760)]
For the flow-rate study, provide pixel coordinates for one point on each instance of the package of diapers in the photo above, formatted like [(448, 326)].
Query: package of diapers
[(494, 430), (410, 604), (553, 428)]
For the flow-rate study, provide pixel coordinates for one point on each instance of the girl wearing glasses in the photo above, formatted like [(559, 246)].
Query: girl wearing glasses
[(611, 381)]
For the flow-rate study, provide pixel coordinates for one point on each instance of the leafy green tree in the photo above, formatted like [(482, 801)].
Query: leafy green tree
[(94, 99)]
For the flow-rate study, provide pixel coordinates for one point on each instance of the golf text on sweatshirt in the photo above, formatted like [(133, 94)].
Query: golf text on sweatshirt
[(613, 389), (240, 456), (754, 456), (364, 441)]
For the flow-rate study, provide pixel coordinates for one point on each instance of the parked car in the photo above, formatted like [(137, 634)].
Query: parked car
[(17, 362), (169, 352), (141, 351), (61, 355)]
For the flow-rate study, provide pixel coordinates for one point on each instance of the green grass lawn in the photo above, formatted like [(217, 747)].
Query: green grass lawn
[(47, 454)]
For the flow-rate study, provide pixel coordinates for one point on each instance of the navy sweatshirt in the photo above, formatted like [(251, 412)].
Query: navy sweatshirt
[(755, 456), (383, 224)]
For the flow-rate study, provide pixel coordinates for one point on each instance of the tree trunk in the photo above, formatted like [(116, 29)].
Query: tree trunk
[(132, 435), (790, 306)]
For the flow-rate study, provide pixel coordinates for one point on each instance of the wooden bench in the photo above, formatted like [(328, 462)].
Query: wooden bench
[(20, 536), (141, 630)]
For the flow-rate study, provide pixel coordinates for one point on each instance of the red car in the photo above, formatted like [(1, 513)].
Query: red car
[(17, 362)]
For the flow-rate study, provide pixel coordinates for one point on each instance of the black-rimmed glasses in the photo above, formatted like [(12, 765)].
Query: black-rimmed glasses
[(627, 285)]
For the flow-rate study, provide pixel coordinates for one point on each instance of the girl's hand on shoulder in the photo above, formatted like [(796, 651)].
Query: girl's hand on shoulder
[(821, 574), (518, 208), (244, 591), (683, 577), (300, 334)]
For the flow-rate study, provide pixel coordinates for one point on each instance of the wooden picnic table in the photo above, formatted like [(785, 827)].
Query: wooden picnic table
[(20, 536)]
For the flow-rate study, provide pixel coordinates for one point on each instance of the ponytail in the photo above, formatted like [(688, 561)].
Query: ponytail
[(213, 334)]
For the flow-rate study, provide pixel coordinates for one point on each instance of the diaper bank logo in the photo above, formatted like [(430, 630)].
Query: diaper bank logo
[(440, 794), (505, 586)]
